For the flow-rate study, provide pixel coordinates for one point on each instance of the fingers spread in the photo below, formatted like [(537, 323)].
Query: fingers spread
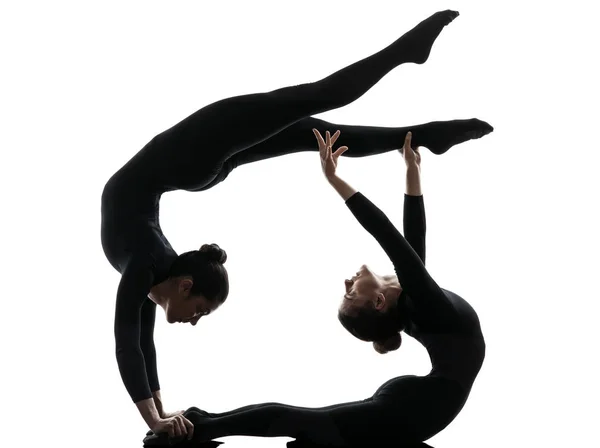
[(335, 137), (321, 142), (319, 138), (341, 150)]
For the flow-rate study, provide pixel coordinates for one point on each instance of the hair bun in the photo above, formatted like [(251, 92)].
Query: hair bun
[(214, 253), (392, 343)]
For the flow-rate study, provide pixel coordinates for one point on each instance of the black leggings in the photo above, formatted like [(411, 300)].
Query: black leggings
[(201, 150), (405, 410)]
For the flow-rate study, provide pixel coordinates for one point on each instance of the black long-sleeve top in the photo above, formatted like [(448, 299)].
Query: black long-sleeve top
[(443, 322), (136, 247)]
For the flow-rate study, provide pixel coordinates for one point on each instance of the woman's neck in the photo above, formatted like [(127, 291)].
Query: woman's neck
[(391, 281), (159, 293), (391, 286)]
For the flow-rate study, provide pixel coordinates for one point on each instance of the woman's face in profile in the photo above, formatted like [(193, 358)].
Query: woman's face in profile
[(185, 308), (360, 289)]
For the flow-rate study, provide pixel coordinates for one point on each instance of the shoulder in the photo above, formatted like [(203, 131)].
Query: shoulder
[(137, 277), (140, 262)]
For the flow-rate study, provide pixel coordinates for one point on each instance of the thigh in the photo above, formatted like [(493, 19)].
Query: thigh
[(360, 423), (226, 127), (420, 406)]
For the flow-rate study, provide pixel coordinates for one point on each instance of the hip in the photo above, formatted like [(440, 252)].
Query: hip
[(423, 396)]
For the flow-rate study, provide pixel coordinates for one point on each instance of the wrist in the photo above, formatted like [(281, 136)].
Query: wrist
[(413, 167), (149, 412), (413, 182), (154, 421), (158, 403)]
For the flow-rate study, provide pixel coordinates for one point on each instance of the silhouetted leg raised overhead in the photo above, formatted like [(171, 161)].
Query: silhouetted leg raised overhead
[(219, 131)]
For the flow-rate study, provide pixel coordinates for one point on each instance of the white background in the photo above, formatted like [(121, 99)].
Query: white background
[(512, 218)]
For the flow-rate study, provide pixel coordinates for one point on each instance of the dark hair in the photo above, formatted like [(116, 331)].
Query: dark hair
[(205, 266), (381, 327), (392, 343)]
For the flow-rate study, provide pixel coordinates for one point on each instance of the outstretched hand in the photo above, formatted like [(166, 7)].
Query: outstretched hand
[(412, 157), (329, 158)]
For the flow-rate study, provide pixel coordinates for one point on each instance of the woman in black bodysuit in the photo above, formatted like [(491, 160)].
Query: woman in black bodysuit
[(408, 409), (198, 153)]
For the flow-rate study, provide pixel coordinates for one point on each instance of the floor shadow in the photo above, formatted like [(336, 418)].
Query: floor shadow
[(161, 441), (302, 444)]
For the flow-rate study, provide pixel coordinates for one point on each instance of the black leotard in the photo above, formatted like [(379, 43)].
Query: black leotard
[(443, 322), (201, 150), (408, 408)]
